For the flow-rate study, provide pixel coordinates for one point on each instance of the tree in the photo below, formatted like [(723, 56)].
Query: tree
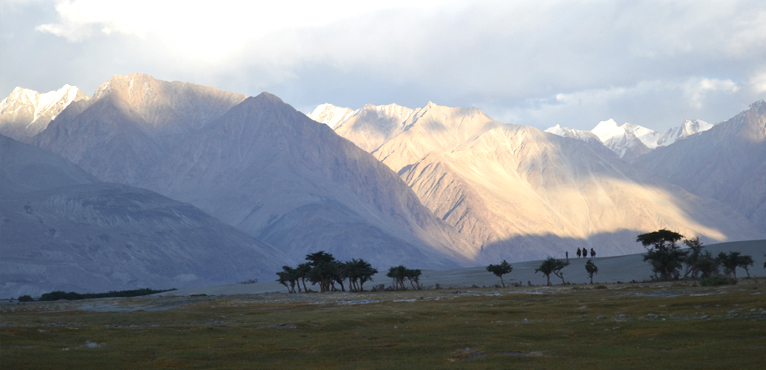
[(663, 253), (500, 270), (288, 277), (744, 261), (398, 274), (414, 277), (695, 253), (552, 266), (324, 270), (591, 268), (661, 239), (705, 265), (359, 272), (729, 262)]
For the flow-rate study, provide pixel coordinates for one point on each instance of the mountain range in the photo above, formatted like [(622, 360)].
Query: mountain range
[(433, 187), (630, 141), (63, 229), (519, 193)]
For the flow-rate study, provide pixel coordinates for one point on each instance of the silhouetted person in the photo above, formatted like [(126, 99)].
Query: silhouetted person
[(567, 253), (579, 253), (592, 253), (585, 252)]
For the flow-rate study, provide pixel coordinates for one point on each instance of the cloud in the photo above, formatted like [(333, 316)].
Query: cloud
[(537, 63)]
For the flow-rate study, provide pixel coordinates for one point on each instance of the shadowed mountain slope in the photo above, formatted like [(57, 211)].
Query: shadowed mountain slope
[(727, 163), (516, 192), (131, 123), (268, 169), (61, 229)]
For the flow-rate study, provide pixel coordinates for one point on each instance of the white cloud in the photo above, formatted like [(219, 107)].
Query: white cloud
[(697, 89), (536, 63)]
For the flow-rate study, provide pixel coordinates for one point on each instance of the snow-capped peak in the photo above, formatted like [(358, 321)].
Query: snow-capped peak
[(331, 115), (26, 112)]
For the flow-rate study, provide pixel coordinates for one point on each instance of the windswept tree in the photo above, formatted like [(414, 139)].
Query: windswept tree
[(324, 270), (413, 275), (500, 270), (693, 256), (731, 261), (728, 262), (745, 261), (288, 277), (400, 273), (359, 272), (665, 257), (552, 266), (705, 266), (591, 268), (661, 239)]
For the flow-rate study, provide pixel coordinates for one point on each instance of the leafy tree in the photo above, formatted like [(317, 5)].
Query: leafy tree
[(744, 261), (414, 277), (591, 268), (552, 266), (288, 277), (663, 254), (500, 270), (26, 298), (303, 271), (693, 256), (705, 265), (729, 262), (359, 272), (661, 239), (324, 270), (398, 274)]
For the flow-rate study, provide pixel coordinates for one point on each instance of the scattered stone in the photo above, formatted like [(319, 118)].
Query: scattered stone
[(525, 320), (704, 317), (600, 317), (651, 316)]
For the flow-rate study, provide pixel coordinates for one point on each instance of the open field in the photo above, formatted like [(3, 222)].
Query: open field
[(628, 326)]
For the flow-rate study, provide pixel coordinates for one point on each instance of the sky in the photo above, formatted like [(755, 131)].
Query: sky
[(537, 63)]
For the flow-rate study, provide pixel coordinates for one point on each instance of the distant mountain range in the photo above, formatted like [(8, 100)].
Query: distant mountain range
[(264, 185), (25, 113), (516, 192), (62, 229), (630, 141)]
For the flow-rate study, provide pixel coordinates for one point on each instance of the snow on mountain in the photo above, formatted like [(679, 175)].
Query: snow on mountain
[(630, 141), (25, 112), (581, 135), (331, 115), (623, 140), (688, 128), (515, 192)]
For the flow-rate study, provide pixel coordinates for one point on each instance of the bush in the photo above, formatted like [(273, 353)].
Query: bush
[(72, 296), (717, 280), (25, 298)]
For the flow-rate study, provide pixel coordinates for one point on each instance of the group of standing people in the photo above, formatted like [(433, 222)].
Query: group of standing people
[(583, 253)]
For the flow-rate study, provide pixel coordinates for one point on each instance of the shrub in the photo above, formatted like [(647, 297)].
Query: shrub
[(25, 298), (717, 280)]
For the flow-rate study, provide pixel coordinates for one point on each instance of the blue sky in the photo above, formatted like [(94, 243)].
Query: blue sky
[(540, 63)]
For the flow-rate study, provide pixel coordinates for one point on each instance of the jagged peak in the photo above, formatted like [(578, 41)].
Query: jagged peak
[(265, 97), (758, 105)]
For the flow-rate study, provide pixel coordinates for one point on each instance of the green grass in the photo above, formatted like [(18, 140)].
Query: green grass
[(457, 331)]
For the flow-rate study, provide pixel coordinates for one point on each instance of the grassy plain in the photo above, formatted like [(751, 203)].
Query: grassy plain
[(626, 326)]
